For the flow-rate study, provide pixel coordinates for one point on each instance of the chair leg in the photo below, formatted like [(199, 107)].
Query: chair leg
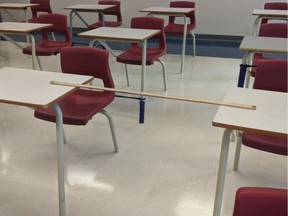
[(98, 44), (122, 47), (64, 136), (238, 150), (127, 75), (53, 36), (194, 44), (39, 63), (164, 74), (104, 112), (126, 67)]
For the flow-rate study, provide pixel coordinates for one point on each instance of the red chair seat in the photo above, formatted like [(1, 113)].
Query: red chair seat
[(274, 144), (107, 24), (177, 29), (134, 56), (88, 103), (254, 201), (47, 49)]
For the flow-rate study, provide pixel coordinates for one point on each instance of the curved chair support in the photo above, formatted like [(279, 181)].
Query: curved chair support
[(104, 112), (271, 76), (164, 73)]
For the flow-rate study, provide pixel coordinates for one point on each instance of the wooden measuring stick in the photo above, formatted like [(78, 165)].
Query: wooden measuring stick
[(222, 103)]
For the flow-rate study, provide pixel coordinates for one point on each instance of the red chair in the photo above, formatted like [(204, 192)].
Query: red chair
[(134, 54), (271, 76), (80, 106), (47, 47), (174, 28), (274, 6), (268, 30), (110, 12), (42, 7), (254, 201)]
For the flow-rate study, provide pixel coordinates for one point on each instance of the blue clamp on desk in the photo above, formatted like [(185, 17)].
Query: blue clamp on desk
[(141, 110), (242, 74)]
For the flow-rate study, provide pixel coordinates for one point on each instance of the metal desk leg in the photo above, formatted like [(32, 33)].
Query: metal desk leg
[(60, 159), (256, 26), (71, 22), (243, 70), (33, 52), (183, 44), (222, 172), (101, 13), (143, 77)]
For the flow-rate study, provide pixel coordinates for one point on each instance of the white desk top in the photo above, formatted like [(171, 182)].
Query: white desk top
[(21, 27), (270, 116), (264, 44), (89, 7), (32, 88), (16, 5), (123, 34), (167, 10), (270, 13)]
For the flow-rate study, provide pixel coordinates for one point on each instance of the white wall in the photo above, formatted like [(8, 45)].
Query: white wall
[(216, 17)]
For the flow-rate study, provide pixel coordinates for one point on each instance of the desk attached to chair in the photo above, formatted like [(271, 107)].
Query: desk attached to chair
[(254, 44), (267, 14), (87, 8), (270, 117), (173, 11), (22, 29), (124, 35), (15, 6), (33, 89)]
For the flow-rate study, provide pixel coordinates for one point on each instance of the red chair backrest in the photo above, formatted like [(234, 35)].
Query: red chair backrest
[(184, 4), (151, 23), (274, 30), (271, 75), (44, 6), (60, 25), (274, 6), (116, 11), (87, 61)]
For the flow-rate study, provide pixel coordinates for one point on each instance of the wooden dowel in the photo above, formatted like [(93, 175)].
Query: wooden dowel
[(221, 103)]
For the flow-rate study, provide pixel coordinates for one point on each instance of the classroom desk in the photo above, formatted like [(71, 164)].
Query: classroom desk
[(173, 11), (270, 117), (22, 29), (254, 44), (94, 8), (124, 35), (267, 14), (33, 89), (15, 6)]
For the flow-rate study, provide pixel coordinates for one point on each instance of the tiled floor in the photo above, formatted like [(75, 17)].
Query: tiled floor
[(165, 167)]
